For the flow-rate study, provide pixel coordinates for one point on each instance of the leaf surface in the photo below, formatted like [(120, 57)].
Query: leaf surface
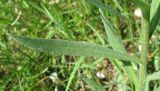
[(154, 76), (94, 85), (116, 42), (154, 16), (65, 47)]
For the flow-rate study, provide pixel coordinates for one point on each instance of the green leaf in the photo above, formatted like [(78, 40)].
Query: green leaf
[(154, 76), (154, 15), (113, 36), (36, 6), (77, 64), (106, 8), (116, 42), (94, 85), (4, 84), (5, 81), (144, 7), (56, 19), (158, 89), (72, 48)]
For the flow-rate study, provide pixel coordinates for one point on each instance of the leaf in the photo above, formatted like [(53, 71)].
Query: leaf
[(107, 8), (154, 16), (116, 42), (4, 84), (94, 85), (158, 89), (71, 48), (144, 7), (36, 6), (154, 76), (56, 19), (113, 36), (77, 64), (5, 80)]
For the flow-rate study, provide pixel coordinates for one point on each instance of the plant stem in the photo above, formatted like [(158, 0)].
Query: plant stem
[(144, 53)]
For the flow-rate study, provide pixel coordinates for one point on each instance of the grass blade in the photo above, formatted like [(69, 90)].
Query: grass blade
[(72, 48), (77, 64), (154, 15), (107, 8), (56, 19), (36, 6), (94, 85)]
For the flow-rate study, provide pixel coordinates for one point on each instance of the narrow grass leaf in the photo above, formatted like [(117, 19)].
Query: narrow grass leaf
[(106, 8), (94, 85), (154, 16), (52, 18), (57, 20), (117, 4), (36, 6), (6, 81), (72, 48), (4, 84), (77, 64)]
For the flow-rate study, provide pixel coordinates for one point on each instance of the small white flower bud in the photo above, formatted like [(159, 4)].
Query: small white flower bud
[(140, 48), (138, 12), (53, 77), (100, 75)]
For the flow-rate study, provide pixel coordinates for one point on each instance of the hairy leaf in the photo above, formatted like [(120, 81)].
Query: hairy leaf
[(71, 48), (113, 37), (116, 42)]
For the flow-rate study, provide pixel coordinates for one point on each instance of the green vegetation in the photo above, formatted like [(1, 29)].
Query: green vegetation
[(42, 45)]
